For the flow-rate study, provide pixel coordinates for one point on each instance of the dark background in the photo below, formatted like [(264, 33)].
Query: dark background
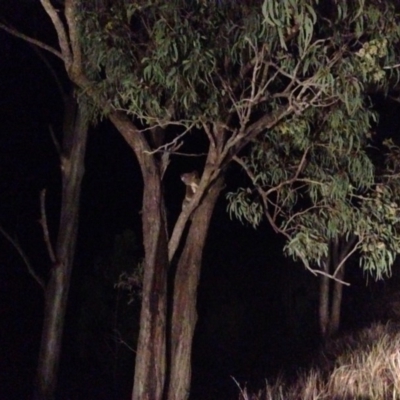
[(257, 309)]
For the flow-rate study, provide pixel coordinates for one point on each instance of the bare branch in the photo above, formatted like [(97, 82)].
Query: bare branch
[(209, 134), (319, 272), (61, 33), (43, 223), (267, 121), (348, 255), (173, 144), (70, 15), (36, 42), (24, 257), (177, 153), (118, 339)]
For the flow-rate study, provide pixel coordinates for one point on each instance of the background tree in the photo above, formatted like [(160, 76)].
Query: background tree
[(72, 156), (71, 152), (226, 71), (314, 179)]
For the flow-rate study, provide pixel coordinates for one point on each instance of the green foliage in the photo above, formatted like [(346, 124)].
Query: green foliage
[(203, 59), (313, 178), (312, 175), (148, 55)]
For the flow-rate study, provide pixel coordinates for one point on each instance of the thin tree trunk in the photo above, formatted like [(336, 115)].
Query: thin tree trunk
[(56, 293), (50, 346), (184, 315), (323, 312), (336, 303), (342, 249)]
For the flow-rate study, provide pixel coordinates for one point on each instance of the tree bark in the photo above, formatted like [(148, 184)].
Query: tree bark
[(331, 291), (150, 364), (323, 311), (341, 250), (334, 323), (184, 315), (50, 346), (56, 293)]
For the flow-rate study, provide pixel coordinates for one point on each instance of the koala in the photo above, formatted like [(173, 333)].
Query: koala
[(191, 180)]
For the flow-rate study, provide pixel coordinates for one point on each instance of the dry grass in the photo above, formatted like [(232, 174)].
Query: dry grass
[(364, 366)]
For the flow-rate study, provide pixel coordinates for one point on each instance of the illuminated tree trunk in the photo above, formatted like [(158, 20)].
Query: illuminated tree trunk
[(331, 291), (56, 292), (150, 364)]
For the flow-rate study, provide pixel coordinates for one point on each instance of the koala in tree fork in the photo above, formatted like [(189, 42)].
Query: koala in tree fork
[(191, 180)]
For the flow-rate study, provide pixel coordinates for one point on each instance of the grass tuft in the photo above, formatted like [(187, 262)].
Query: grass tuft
[(363, 365)]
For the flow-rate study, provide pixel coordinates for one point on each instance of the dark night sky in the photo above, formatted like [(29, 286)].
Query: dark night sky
[(243, 331)]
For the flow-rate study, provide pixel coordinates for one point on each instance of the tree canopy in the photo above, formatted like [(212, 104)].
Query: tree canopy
[(314, 175)]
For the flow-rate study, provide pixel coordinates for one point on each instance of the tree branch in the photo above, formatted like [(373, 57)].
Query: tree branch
[(70, 15), (24, 257), (346, 253), (43, 223), (61, 33), (36, 42)]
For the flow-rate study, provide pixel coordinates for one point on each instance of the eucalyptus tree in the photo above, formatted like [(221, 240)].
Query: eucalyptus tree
[(318, 182), (232, 71)]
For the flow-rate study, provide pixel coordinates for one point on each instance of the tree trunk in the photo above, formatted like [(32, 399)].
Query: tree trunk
[(323, 311), (150, 366), (330, 303), (340, 249), (150, 363), (56, 294), (336, 303), (184, 315), (50, 346)]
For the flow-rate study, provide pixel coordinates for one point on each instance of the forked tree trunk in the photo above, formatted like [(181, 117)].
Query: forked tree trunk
[(184, 315), (56, 293)]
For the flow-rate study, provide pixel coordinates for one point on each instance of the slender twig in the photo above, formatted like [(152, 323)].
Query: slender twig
[(118, 338), (348, 254), (318, 271), (24, 257), (391, 66), (43, 223), (173, 144)]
